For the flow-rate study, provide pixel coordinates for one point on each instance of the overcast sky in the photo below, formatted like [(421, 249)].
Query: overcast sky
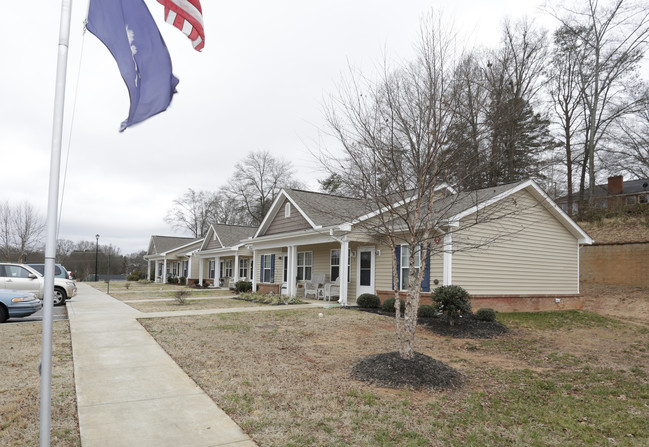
[(259, 84)]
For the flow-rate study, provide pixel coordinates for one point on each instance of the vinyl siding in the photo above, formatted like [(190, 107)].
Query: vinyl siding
[(282, 224), (532, 253)]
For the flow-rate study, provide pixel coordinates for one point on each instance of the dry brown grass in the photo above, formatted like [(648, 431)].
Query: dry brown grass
[(285, 378), (165, 306), (618, 229), (20, 350), (142, 291)]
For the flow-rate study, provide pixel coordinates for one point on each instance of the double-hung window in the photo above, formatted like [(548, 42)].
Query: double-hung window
[(210, 269), (334, 270), (267, 274), (304, 265), (227, 268), (243, 268), (405, 265)]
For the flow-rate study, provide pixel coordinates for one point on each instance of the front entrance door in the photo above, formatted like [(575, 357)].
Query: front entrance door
[(365, 271)]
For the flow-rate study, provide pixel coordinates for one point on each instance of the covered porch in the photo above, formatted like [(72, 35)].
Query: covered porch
[(335, 266), (225, 267)]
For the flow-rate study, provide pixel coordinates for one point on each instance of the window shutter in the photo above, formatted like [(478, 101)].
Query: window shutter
[(398, 256), (272, 268), (261, 269), (425, 285)]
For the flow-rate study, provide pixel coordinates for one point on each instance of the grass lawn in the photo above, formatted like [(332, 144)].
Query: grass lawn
[(126, 290), (556, 379), (190, 304), (20, 350)]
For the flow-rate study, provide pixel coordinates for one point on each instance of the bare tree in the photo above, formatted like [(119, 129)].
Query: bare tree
[(28, 228), (614, 37), (566, 93), (256, 182), (392, 134), (6, 230), (194, 212)]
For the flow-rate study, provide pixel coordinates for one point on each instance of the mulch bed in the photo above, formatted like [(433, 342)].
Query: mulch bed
[(390, 370), (467, 327)]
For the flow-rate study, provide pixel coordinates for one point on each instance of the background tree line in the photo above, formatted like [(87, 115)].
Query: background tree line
[(566, 109), (22, 233)]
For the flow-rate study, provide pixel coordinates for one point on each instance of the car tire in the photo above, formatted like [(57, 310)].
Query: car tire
[(59, 296), (4, 315)]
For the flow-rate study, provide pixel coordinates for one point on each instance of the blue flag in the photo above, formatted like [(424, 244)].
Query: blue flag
[(128, 30)]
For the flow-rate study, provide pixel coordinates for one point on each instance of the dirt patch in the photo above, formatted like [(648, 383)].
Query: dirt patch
[(624, 302), (391, 370)]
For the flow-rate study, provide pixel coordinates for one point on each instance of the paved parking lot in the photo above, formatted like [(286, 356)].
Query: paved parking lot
[(59, 313)]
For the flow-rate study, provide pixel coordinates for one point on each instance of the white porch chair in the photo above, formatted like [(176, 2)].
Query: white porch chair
[(313, 287), (332, 289)]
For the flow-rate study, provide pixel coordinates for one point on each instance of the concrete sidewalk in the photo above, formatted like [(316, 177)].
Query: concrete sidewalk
[(129, 391)]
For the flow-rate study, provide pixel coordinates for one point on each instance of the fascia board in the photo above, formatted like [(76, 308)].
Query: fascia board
[(304, 237)]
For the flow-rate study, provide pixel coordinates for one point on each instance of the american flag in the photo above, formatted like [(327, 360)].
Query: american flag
[(187, 16)]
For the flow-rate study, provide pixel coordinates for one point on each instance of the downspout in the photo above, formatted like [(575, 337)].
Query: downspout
[(448, 258)]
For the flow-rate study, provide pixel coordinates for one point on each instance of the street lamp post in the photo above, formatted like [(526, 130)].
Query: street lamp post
[(97, 258)]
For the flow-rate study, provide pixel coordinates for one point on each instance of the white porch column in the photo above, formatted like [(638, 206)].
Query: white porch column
[(148, 270), (448, 258), (291, 270), (344, 269), (189, 266), (253, 270), (217, 271), (200, 270), (163, 277), (235, 268)]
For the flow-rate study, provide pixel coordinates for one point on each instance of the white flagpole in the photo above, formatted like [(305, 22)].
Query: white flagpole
[(52, 209)]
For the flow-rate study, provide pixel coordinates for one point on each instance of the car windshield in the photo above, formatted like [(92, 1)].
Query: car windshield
[(40, 268)]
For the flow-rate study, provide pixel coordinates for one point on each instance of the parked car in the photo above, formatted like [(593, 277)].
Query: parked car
[(25, 278), (59, 270), (15, 304)]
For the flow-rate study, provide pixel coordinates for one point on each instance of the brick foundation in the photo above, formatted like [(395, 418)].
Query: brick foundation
[(268, 288), (507, 303)]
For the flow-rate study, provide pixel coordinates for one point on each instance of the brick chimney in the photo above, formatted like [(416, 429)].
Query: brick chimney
[(615, 185)]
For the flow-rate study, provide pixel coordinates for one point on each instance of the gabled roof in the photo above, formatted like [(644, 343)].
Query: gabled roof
[(324, 210), (318, 209), (162, 244), (231, 235)]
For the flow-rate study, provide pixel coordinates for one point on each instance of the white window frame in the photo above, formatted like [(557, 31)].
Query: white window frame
[(210, 269), (243, 268), (302, 266), (268, 271), (405, 265), (227, 268)]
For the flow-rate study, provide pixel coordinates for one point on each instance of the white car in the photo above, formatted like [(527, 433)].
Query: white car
[(25, 278)]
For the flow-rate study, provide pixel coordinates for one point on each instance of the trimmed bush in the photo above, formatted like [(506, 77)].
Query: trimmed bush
[(388, 305), (485, 314), (182, 281), (369, 301), (426, 311), (453, 301), (243, 286)]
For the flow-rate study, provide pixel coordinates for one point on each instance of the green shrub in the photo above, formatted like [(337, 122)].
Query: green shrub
[(426, 311), (388, 305), (485, 314), (182, 280), (369, 301), (135, 276), (453, 301), (243, 286)]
